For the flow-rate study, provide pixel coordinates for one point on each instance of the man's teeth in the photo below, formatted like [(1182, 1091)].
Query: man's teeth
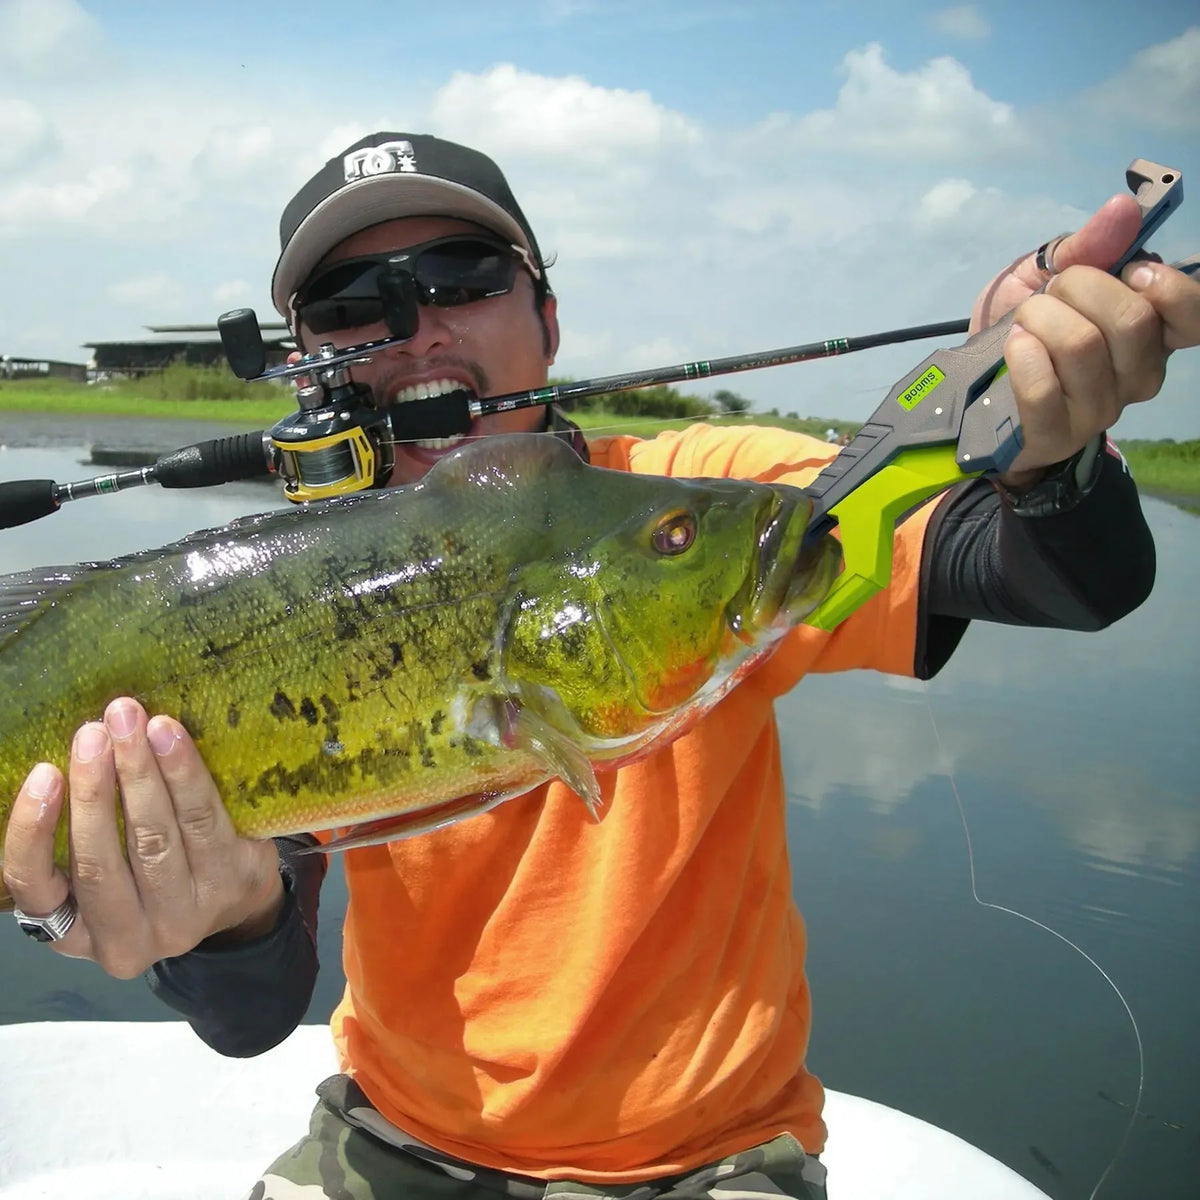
[(424, 391)]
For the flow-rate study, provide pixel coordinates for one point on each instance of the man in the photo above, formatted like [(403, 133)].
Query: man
[(537, 1003)]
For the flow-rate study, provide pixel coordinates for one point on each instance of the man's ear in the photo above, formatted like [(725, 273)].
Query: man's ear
[(550, 327)]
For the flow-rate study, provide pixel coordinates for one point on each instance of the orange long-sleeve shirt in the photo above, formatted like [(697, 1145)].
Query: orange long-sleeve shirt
[(533, 991)]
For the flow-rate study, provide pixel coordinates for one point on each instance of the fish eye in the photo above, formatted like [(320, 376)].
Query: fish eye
[(674, 534)]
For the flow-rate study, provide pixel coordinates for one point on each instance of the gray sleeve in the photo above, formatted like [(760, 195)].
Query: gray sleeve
[(242, 1000), (1080, 569)]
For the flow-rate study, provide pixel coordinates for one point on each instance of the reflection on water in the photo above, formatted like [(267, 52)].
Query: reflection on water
[(1075, 759)]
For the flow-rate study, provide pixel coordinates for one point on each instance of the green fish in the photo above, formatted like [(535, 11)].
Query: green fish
[(399, 659)]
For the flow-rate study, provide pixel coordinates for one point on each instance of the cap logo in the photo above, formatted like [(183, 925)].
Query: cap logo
[(379, 160)]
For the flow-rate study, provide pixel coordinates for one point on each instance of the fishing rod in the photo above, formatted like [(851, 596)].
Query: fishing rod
[(450, 412), (339, 441)]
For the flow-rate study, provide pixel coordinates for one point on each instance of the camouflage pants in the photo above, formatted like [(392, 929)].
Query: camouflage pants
[(352, 1153)]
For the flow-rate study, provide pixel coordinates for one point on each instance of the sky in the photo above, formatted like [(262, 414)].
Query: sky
[(713, 178)]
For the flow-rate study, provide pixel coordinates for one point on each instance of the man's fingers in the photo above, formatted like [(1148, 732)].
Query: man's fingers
[(1045, 419), (1116, 331), (35, 883), (104, 886), (1174, 295), (206, 831), (1108, 233), (232, 878), (1078, 355), (157, 858)]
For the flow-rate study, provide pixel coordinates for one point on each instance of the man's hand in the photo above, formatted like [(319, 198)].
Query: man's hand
[(1090, 344), (179, 874)]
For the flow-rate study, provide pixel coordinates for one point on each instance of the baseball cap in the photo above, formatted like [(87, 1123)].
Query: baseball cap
[(384, 176)]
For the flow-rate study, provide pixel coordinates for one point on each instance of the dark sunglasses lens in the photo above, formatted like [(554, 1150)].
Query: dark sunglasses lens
[(343, 297), (461, 272), (347, 295), (328, 316)]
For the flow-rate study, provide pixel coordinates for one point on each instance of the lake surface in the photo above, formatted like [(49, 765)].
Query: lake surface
[(1075, 758)]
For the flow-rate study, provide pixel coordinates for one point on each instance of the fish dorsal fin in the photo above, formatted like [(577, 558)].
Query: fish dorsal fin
[(25, 595), (503, 460)]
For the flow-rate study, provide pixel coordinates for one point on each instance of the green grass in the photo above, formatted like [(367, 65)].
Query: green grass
[(1165, 468), (210, 394), (196, 393)]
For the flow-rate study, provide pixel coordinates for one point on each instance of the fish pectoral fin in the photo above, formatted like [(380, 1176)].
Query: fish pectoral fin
[(560, 756)]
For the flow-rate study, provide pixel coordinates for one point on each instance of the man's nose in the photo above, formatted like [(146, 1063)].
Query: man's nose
[(433, 332)]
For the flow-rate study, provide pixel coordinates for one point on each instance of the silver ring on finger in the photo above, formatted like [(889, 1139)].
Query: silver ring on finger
[(52, 927), (1044, 257)]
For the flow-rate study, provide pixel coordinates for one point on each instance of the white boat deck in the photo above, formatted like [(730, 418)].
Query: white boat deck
[(145, 1111)]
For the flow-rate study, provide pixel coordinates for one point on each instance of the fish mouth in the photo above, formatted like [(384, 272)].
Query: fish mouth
[(792, 573)]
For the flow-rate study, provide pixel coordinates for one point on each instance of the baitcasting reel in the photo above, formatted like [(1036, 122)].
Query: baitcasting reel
[(338, 440)]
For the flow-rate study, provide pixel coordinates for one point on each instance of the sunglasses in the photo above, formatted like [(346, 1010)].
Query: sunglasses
[(448, 271)]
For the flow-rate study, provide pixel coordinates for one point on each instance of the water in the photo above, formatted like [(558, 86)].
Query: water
[(1075, 759)]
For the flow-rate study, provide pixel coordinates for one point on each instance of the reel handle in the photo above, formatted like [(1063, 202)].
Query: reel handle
[(242, 341)]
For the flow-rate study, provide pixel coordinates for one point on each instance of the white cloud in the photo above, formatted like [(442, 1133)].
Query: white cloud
[(28, 205), (46, 37), (234, 292), (1160, 87), (678, 236), (238, 153), (962, 21), (519, 113), (801, 215), (152, 292), (935, 110), (25, 135), (945, 199)]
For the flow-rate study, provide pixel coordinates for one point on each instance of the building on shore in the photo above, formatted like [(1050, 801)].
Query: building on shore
[(14, 368), (196, 345)]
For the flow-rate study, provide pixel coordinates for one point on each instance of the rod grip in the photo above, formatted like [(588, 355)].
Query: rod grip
[(222, 460), (25, 500), (432, 417)]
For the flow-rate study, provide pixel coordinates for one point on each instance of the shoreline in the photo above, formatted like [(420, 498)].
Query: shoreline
[(118, 441), (27, 430)]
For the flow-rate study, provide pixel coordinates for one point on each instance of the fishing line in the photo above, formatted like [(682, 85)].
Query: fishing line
[(1012, 912), (634, 423)]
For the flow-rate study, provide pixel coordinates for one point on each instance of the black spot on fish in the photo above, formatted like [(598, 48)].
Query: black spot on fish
[(332, 712), (325, 773), (347, 629), (427, 759), (480, 669), (308, 710), (233, 717), (436, 722), (381, 672), (397, 654), (282, 708), (189, 718), (1045, 1162)]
